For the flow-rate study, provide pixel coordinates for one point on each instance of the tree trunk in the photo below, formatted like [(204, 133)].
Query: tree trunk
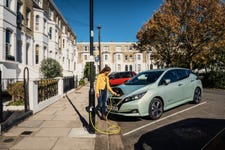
[(191, 65)]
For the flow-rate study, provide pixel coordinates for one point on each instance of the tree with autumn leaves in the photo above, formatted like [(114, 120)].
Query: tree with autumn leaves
[(186, 33)]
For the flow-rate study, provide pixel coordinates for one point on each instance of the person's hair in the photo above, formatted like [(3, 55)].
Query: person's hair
[(107, 68)]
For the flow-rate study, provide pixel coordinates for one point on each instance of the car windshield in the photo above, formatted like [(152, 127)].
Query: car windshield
[(145, 78)]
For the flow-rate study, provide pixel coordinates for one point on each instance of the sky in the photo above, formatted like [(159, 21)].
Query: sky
[(120, 20)]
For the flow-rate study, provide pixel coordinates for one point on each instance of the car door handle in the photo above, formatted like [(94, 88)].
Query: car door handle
[(180, 84), (192, 80)]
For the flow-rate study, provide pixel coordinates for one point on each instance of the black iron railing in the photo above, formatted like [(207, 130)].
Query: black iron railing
[(47, 88), (68, 83)]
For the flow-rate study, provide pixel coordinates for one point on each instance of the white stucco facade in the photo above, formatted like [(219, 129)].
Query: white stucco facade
[(31, 31)]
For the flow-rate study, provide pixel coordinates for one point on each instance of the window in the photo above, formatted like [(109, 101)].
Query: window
[(63, 29), (63, 43), (118, 57), (85, 48), (57, 20), (37, 19), (139, 57), (130, 68), (45, 26), (85, 57), (8, 43), (126, 57), (118, 67), (126, 67), (19, 50), (19, 17), (130, 48), (144, 78), (8, 3), (36, 54), (28, 17), (171, 75), (56, 36), (106, 48), (182, 74), (139, 68), (38, 2), (60, 24), (131, 57), (118, 48), (126, 48), (45, 52), (74, 66), (50, 14), (50, 33), (151, 66), (106, 57)]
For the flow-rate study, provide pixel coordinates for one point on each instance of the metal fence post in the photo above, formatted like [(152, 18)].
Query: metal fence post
[(76, 81), (1, 102), (26, 88)]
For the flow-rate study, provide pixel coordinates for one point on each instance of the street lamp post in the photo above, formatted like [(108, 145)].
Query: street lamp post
[(99, 47), (91, 91)]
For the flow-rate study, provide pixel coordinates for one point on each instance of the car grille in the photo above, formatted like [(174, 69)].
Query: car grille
[(114, 102)]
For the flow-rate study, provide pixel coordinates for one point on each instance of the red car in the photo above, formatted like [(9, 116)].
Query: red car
[(117, 78)]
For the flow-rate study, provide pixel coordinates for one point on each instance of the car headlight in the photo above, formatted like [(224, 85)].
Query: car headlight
[(134, 97)]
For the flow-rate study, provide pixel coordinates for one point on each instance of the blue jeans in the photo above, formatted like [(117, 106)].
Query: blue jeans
[(102, 101)]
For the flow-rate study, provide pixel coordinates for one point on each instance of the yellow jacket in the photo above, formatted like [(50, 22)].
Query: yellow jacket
[(101, 83)]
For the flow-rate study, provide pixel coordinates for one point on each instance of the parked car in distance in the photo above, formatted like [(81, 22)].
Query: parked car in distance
[(150, 93), (117, 78)]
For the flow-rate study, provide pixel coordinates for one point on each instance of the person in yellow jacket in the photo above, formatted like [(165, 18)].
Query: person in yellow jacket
[(101, 88)]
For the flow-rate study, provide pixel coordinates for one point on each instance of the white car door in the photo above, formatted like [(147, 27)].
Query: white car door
[(171, 92)]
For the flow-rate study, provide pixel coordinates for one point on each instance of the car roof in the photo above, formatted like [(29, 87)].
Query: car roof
[(122, 72), (165, 69)]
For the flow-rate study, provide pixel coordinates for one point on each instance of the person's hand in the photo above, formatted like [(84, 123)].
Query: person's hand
[(116, 94), (97, 95)]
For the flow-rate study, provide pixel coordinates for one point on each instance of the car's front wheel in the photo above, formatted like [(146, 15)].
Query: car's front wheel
[(155, 108), (197, 95)]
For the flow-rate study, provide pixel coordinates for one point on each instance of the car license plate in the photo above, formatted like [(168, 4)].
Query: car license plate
[(114, 108)]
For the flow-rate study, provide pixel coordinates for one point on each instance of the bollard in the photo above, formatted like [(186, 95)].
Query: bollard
[(26, 88)]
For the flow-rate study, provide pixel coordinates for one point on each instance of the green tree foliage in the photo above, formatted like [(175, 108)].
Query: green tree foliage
[(187, 33), (50, 68), (87, 70)]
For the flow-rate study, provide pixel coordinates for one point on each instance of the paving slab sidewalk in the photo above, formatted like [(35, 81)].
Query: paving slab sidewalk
[(61, 126)]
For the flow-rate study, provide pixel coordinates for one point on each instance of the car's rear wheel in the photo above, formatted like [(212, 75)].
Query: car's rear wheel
[(155, 108), (197, 95)]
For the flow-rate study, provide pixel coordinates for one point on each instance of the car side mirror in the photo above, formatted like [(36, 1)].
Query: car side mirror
[(166, 81)]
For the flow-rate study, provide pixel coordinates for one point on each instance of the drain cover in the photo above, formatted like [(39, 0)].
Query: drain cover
[(8, 140), (26, 133)]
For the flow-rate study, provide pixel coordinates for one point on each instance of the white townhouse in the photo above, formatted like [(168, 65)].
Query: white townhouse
[(30, 31), (120, 56)]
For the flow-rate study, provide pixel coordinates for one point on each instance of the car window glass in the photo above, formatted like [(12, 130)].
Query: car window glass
[(117, 75), (126, 75), (171, 75), (144, 78), (182, 74), (112, 75)]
